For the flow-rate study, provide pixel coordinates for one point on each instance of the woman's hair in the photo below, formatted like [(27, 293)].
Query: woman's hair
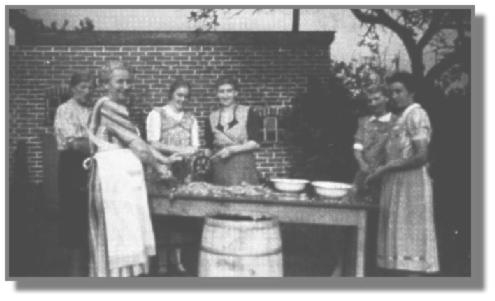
[(79, 77), (407, 79), (227, 80), (107, 70), (178, 83), (376, 88)]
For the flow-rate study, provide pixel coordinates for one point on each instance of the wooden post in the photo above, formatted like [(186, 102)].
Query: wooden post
[(295, 20)]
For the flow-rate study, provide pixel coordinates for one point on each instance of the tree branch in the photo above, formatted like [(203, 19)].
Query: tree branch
[(382, 18), (432, 29), (448, 61)]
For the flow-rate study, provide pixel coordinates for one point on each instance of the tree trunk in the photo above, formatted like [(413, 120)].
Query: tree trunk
[(417, 66)]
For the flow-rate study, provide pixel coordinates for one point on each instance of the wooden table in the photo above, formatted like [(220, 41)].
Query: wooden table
[(325, 212)]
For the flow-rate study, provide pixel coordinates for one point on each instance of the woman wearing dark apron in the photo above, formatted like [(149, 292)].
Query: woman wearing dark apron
[(71, 124), (232, 133)]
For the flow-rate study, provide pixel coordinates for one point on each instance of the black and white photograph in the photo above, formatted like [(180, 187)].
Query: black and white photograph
[(190, 142)]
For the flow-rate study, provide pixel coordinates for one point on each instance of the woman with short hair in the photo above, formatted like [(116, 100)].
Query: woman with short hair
[(71, 125), (121, 234)]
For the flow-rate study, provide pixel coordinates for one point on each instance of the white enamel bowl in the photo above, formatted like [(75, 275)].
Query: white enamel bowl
[(289, 185), (331, 189)]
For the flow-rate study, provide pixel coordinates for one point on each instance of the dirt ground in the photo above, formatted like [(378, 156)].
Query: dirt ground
[(307, 251)]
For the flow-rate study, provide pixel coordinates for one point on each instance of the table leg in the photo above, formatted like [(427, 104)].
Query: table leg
[(361, 245)]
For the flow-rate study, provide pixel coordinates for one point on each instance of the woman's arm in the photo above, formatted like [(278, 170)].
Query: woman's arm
[(171, 149), (254, 125), (358, 145), (363, 166), (418, 130), (235, 149), (80, 144), (418, 159)]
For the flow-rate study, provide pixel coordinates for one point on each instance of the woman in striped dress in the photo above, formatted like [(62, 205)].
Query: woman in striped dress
[(121, 238)]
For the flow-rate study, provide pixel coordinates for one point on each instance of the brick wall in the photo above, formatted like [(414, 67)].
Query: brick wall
[(269, 73)]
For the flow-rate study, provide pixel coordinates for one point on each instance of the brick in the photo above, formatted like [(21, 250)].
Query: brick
[(274, 75)]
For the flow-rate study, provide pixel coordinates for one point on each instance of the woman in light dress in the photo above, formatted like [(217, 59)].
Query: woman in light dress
[(173, 130), (407, 243)]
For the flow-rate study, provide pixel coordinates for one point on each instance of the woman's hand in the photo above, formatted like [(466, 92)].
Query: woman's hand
[(162, 159), (163, 171), (376, 174), (188, 151), (224, 153), (175, 158), (364, 167)]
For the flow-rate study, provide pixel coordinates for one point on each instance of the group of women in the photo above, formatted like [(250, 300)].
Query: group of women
[(392, 154), (121, 238)]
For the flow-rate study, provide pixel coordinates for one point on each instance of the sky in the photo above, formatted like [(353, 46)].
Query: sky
[(348, 30)]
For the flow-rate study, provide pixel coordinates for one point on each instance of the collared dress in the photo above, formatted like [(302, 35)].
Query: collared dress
[(180, 129), (71, 121), (370, 139), (406, 231), (245, 126), (177, 129)]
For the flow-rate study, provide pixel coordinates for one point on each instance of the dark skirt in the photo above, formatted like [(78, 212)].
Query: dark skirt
[(235, 170), (73, 192), (173, 231), (177, 230)]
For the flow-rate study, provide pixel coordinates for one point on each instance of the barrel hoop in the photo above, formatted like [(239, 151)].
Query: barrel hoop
[(214, 252), (254, 224), (239, 227)]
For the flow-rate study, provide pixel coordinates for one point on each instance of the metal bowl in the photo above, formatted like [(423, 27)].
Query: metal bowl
[(289, 185), (331, 189)]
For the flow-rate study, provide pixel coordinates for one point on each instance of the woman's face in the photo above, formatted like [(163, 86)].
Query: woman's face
[(401, 97), (226, 94), (82, 92), (179, 96), (119, 85), (377, 102)]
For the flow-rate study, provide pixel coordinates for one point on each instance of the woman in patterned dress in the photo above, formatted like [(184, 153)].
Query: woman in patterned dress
[(407, 243), (71, 127), (120, 232), (171, 130), (370, 139), (233, 133)]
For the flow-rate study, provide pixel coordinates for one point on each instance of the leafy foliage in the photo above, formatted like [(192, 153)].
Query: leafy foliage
[(357, 77), (208, 18), (421, 28), (322, 125), (22, 23)]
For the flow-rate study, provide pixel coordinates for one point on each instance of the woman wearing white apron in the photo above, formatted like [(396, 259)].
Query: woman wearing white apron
[(120, 232)]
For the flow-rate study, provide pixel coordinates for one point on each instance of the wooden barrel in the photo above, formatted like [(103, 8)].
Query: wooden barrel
[(241, 246)]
